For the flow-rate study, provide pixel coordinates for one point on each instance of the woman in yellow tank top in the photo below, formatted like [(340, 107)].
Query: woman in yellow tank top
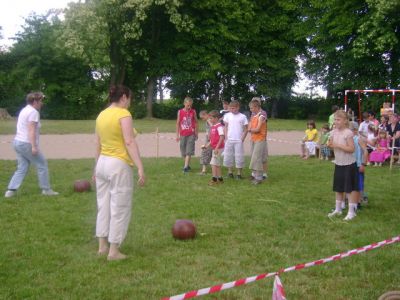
[(116, 153)]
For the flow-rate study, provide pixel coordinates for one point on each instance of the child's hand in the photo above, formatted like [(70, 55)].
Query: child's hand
[(361, 169)]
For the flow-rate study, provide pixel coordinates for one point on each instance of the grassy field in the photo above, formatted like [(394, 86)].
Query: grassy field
[(142, 125), (49, 251)]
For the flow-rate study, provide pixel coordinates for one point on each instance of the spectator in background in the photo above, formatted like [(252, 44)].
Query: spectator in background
[(206, 152), (325, 151), (363, 129), (332, 116), (393, 129), (258, 130), (372, 119), (384, 122), (265, 115), (310, 140), (224, 110), (187, 131), (26, 146), (235, 134)]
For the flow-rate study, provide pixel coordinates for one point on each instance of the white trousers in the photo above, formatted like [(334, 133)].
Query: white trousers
[(234, 154), (114, 189)]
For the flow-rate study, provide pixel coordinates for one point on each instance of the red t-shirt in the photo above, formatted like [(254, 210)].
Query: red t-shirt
[(187, 121), (215, 133)]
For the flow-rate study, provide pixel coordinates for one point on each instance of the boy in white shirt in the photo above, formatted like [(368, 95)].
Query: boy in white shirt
[(235, 133)]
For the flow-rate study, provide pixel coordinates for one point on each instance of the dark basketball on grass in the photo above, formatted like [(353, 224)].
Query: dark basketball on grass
[(184, 230), (82, 185)]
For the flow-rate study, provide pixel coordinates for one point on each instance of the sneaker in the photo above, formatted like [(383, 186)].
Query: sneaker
[(49, 192), (230, 175), (365, 199), (265, 176), (188, 168), (185, 170), (10, 194), (334, 213), (349, 217), (239, 177)]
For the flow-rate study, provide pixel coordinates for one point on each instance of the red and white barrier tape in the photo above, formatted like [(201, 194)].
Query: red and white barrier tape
[(221, 287)]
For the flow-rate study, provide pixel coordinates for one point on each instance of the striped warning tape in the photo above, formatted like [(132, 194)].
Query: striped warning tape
[(232, 284)]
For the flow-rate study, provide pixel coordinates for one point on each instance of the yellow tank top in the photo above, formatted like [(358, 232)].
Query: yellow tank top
[(109, 130)]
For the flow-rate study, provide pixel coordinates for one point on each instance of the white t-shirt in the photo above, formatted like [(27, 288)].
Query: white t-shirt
[(235, 123), (363, 129), (28, 114)]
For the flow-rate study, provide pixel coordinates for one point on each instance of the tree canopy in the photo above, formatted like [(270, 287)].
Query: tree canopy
[(208, 49)]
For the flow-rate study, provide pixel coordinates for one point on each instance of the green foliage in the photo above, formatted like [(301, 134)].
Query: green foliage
[(138, 109), (167, 110), (34, 63), (49, 250), (211, 50), (353, 44), (305, 108)]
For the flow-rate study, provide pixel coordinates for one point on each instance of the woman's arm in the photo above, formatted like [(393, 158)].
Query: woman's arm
[(132, 147), (32, 137)]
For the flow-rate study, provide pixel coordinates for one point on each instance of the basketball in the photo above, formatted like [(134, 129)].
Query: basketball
[(184, 230), (82, 185)]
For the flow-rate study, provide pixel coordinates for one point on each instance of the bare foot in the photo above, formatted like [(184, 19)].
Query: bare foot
[(102, 251), (117, 256)]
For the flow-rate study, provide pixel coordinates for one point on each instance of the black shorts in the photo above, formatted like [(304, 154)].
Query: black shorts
[(345, 179)]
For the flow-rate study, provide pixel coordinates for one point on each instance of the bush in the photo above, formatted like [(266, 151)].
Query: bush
[(138, 109)]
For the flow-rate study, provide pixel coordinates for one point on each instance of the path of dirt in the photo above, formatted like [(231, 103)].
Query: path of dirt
[(74, 146)]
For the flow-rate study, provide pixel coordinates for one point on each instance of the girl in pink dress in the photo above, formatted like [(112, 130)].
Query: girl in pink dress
[(382, 151)]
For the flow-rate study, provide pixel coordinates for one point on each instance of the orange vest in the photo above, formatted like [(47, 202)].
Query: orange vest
[(262, 134)]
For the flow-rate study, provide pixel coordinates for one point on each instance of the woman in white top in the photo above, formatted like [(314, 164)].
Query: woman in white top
[(345, 180), (26, 145)]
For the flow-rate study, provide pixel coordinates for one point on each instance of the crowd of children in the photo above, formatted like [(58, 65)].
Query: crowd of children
[(350, 146), (226, 132)]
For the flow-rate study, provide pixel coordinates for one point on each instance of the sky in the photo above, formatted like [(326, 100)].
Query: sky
[(13, 13)]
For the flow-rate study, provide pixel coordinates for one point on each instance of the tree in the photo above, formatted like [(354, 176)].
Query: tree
[(344, 50), (35, 63), (133, 38), (238, 49)]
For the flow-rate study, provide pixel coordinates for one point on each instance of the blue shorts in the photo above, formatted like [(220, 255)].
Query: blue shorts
[(361, 177)]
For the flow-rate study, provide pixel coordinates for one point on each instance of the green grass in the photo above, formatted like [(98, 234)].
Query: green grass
[(142, 125), (48, 249)]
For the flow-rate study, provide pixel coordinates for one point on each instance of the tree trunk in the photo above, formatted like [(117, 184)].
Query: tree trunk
[(149, 97)]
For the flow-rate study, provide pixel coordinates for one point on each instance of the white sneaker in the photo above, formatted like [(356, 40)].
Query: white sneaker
[(10, 194), (349, 217), (334, 213), (49, 192)]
